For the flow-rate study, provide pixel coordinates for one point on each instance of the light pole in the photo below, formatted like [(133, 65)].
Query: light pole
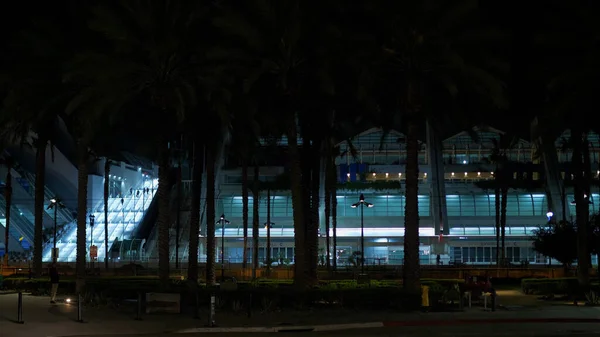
[(55, 204), (92, 255), (362, 203), (123, 233), (222, 221), (268, 226)]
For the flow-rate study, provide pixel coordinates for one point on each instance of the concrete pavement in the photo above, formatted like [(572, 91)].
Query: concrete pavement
[(43, 319)]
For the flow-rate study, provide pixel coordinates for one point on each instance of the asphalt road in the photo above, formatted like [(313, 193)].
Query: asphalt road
[(512, 330)]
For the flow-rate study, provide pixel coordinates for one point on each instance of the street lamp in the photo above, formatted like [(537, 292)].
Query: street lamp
[(92, 254), (549, 215), (222, 221), (362, 203), (55, 204), (123, 233), (268, 226)]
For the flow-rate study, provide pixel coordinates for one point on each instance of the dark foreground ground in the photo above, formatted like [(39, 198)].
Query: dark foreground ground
[(516, 319)]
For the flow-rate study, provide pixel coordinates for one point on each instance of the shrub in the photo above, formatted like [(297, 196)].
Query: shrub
[(556, 286), (267, 299)]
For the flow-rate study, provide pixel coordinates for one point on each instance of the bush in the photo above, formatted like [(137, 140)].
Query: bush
[(556, 286), (265, 294), (269, 299)]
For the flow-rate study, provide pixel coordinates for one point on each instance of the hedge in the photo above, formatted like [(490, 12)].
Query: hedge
[(265, 294), (555, 286)]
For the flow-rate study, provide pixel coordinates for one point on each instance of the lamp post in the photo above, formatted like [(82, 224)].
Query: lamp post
[(222, 221), (123, 233), (55, 204), (92, 254), (268, 226), (362, 203)]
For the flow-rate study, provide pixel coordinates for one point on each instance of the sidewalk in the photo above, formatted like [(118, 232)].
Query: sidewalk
[(43, 319)]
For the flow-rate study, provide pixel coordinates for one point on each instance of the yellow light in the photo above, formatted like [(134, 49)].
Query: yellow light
[(374, 174), (479, 174), (453, 174), (465, 174), (387, 175)]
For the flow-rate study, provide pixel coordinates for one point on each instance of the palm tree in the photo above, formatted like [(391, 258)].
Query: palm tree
[(255, 220), (423, 49), (272, 42), (244, 130), (328, 194), (148, 66), (504, 169), (245, 212), (210, 216), (8, 198), (106, 197), (198, 170)]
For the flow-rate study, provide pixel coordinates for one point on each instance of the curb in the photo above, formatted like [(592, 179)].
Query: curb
[(490, 321), (371, 325), (315, 328)]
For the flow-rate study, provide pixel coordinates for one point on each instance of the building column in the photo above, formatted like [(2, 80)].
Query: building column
[(436, 182)]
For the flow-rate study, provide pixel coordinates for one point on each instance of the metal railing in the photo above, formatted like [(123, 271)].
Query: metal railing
[(66, 216), (18, 223)]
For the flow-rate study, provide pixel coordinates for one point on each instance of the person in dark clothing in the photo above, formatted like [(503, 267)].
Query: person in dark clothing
[(54, 279)]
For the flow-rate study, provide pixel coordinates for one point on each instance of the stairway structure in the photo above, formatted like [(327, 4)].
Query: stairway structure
[(20, 229), (124, 215)]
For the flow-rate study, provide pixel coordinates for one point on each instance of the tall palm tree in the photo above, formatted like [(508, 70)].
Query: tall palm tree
[(328, 194), (8, 198), (255, 219), (210, 216), (273, 41), (573, 97), (423, 50), (245, 212), (35, 98), (504, 169), (105, 196), (197, 171), (151, 62)]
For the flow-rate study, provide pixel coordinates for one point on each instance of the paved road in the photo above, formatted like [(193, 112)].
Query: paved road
[(43, 320), (516, 330)]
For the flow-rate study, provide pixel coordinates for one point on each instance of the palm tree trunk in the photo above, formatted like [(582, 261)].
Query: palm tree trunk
[(198, 169), (82, 189), (210, 216), (504, 192), (40, 183), (106, 194), (8, 198), (334, 211), (300, 279), (411, 266), (327, 213), (163, 220), (245, 212), (255, 234), (497, 208), (587, 183), (581, 208), (268, 252), (313, 229)]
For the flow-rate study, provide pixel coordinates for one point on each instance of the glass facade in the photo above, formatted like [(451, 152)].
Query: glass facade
[(463, 205), (471, 210)]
